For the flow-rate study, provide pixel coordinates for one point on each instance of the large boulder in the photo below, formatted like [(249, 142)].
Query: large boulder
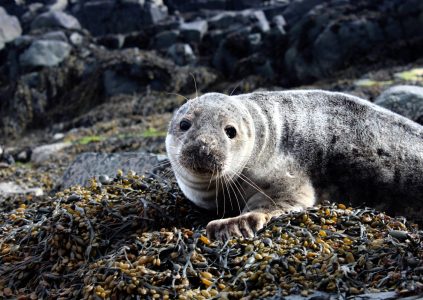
[(10, 28), (45, 53), (332, 36), (108, 16), (104, 166), (43, 153), (54, 19), (406, 100)]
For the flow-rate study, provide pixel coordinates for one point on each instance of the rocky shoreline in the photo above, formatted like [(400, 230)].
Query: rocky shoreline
[(88, 87)]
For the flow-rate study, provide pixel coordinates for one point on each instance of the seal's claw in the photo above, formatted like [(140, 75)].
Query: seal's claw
[(245, 225)]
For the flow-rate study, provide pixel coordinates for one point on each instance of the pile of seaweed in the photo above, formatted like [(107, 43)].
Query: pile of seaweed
[(138, 237)]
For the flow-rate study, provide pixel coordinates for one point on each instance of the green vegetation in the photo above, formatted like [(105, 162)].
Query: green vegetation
[(411, 75), (89, 139)]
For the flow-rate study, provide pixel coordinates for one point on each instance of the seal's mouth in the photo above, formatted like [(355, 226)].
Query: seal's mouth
[(201, 161), (201, 165)]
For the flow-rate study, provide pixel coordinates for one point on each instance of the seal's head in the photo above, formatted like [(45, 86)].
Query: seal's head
[(210, 136)]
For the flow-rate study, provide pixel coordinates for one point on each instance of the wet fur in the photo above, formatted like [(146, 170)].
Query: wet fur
[(296, 147)]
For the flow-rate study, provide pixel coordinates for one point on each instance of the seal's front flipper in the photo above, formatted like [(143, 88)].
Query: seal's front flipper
[(245, 225)]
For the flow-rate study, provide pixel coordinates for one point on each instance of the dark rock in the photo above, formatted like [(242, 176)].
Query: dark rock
[(406, 100), (89, 165), (55, 19), (10, 28), (324, 40), (275, 9), (193, 32), (165, 39), (237, 46), (195, 5), (111, 41), (43, 53), (139, 40), (297, 9), (24, 156), (244, 18), (102, 17), (181, 54)]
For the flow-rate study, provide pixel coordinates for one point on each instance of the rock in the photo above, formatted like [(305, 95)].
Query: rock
[(58, 136), (102, 17), (165, 39), (11, 188), (406, 100), (297, 9), (181, 54), (58, 4), (193, 32), (45, 53), (195, 5), (111, 41), (76, 39), (104, 179), (10, 28), (43, 153), (322, 40), (55, 19), (237, 46), (89, 165), (24, 156), (241, 19)]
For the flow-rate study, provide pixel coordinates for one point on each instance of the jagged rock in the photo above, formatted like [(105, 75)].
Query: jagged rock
[(45, 53), (89, 165), (193, 32), (55, 19), (181, 54), (43, 153), (406, 100), (10, 28), (107, 16)]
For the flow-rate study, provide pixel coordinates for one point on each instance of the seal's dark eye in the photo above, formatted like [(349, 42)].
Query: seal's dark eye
[(230, 131), (185, 125)]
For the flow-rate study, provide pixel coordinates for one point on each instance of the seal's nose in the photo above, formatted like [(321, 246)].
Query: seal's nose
[(203, 149)]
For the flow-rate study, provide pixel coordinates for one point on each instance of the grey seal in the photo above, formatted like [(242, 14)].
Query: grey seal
[(253, 156)]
